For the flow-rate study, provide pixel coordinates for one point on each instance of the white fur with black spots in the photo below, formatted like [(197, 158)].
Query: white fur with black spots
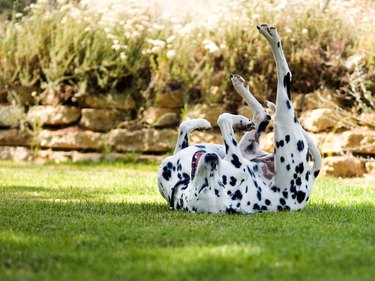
[(239, 177)]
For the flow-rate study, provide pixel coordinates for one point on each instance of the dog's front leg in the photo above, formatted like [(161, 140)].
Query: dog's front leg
[(186, 128), (226, 123)]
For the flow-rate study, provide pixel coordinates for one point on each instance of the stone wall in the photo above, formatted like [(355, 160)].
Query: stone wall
[(81, 127)]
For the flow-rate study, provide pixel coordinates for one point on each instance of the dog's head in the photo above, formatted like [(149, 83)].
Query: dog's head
[(206, 189)]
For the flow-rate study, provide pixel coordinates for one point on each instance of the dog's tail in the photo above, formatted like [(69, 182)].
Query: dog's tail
[(315, 154)]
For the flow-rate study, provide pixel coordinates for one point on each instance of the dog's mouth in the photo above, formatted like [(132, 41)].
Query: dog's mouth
[(194, 162)]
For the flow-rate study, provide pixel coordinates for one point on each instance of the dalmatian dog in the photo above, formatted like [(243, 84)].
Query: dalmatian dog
[(240, 177)]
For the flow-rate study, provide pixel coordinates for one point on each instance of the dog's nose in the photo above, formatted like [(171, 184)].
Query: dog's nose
[(211, 157)]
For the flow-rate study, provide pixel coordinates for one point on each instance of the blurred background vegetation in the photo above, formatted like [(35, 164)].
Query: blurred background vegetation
[(90, 47)]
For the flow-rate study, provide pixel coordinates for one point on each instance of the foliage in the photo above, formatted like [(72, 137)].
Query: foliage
[(108, 222), (137, 50)]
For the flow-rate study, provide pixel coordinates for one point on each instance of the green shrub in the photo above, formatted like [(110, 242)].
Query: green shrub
[(138, 51)]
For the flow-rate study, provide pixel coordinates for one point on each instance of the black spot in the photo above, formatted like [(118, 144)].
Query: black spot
[(185, 143), (287, 83), (285, 194), (307, 199), (263, 125), (194, 209), (235, 161), (307, 156), (288, 104), (278, 44), (268, 202), (279, 208), (167, 173), (299, 168), (287, 138), (295, 119), (259, 195), (256, 207), (295, 176), (282, 159), (255, 168), (281, 143), (288, 167), (233, 181), (282, 201), (316, 173), (217, 192), (298, 181), (275, 188), (307, 175), (230, 210), (264, 208), (300, 196), (250, 147), (234, 142), (224, 179), (200, 146), (226, 147), (250, 172), (237, 195), (300, 145), (293, 188), (169, 165), (255, 183), (248, 203), (186, 177), (238, 204), (229, 192)]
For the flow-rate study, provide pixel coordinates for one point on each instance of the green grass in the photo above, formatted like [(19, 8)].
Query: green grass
[(108, 222)]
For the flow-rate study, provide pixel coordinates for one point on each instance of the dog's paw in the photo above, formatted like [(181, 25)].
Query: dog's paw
[(241, 123), (270, 32), (238, 122), (198, 124), (239, 83)]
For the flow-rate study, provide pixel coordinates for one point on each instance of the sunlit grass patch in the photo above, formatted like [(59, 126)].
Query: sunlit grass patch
[(108, 221)]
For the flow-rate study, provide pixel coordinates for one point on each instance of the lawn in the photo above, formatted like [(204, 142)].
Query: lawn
[(108, 222)]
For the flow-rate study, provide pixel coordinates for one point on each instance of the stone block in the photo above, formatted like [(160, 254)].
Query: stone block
[(170, 100), (70, 138), (99, 119), (15, 137), (319, 120), (370, 168), (11, 116), (53, 115), (153, 114), (343, 166), (118, 101), (169, 119), (359, 141), (144, 140), (16, 153), (210, 113)]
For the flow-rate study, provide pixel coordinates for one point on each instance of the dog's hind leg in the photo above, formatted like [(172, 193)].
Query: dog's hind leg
[(292, 153), (185, 130), (249, 144)]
